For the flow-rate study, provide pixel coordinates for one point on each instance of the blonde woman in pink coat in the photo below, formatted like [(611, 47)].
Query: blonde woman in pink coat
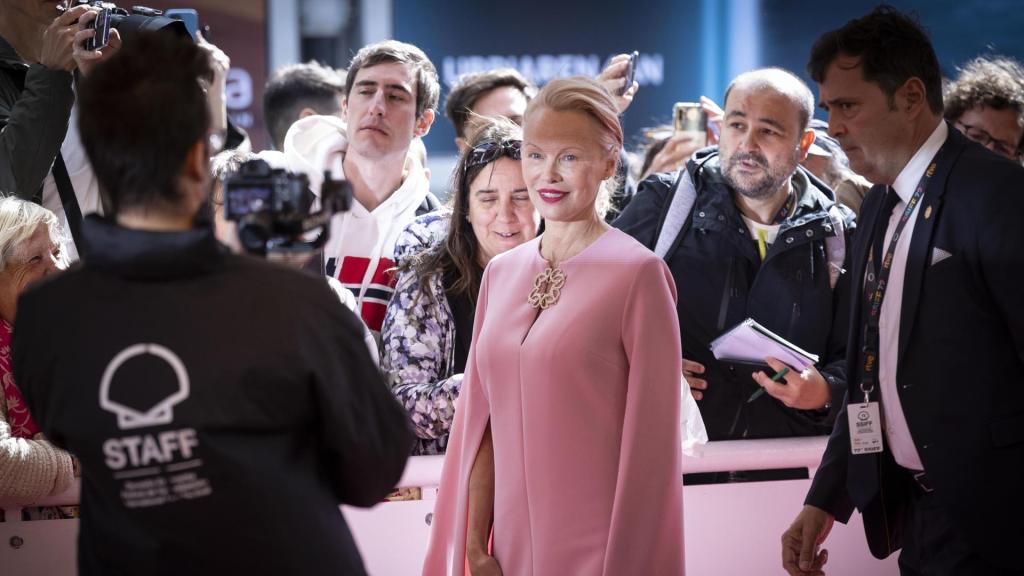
[(564, 456)]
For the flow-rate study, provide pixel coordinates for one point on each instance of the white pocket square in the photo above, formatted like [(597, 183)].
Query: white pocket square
[(938, 255)]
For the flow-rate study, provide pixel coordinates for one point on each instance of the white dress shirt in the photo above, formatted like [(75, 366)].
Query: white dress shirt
[(896, 431)]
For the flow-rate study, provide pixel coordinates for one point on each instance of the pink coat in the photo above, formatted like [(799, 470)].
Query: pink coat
[(584, 412)]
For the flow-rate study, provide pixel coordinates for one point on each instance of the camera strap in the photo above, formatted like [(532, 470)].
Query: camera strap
[(68, 200)]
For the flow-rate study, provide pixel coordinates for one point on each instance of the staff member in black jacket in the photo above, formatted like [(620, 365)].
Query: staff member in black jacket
[(933, 453), (762, 239), (222, 407)]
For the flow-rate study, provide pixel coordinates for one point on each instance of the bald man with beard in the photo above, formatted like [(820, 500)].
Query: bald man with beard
[(763, 239)]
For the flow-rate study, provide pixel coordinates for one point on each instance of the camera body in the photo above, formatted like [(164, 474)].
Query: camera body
[(128, 22), (274, 208)]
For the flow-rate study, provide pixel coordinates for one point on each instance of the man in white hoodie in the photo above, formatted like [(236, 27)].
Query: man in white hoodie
[(391, 95)]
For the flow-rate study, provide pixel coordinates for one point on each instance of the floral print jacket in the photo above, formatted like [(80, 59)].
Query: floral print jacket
[(418, 339)]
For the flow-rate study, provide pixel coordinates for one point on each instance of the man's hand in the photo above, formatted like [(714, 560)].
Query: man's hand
[(804, 391), (675, 153), (715, 118), (88, 59), (614, 78), (58, 48), (800, 556), (681, 146), (697, 384)]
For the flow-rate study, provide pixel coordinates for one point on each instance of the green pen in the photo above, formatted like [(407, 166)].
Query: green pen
[(778, 376)]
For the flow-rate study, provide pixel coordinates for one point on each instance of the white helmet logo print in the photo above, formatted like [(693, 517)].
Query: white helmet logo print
[(162, 412)]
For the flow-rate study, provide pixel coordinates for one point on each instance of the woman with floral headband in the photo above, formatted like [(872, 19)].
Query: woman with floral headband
[(565, 457), (441, 258)]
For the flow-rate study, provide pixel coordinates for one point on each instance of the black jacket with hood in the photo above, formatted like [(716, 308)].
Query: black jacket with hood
[(722, 281)]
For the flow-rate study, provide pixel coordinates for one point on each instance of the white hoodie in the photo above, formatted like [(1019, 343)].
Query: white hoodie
[(361, 247)]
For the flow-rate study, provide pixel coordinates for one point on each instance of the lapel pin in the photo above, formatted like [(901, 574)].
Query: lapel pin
[(927, 212), (931, 170)]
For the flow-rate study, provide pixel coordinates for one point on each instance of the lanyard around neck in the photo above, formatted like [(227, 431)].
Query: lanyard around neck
[(877, 285)]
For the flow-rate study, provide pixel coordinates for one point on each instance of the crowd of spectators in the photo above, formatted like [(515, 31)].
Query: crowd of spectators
[(760, 218)]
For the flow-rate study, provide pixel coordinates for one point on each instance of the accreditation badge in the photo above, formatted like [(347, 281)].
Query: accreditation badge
[(865, 428)]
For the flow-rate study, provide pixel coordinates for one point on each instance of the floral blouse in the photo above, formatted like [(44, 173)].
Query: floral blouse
[(418, 339)]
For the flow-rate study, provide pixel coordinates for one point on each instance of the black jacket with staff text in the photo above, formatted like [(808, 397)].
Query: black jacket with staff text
[(222, 407)]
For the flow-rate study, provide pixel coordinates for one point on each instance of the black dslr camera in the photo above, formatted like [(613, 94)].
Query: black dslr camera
[(273, 208), (128, 22)]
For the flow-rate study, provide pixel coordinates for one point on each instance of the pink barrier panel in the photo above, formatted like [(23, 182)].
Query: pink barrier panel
[(731, 529)]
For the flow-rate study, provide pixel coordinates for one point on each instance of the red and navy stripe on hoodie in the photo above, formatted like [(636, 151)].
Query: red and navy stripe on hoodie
[(378, 292)]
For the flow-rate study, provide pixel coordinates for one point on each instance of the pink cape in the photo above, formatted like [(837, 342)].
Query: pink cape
[(584, 412)]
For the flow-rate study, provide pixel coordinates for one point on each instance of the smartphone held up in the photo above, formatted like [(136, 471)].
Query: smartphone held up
[(630, 74), (690, 118)]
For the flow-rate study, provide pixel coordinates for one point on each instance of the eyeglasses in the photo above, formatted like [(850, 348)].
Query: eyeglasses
[(490, 151), (985, 139)]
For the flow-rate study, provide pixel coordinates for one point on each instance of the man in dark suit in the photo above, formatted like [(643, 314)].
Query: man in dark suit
[(936, 356)]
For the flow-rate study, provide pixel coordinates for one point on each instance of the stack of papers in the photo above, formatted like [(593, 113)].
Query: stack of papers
[(751, 342)]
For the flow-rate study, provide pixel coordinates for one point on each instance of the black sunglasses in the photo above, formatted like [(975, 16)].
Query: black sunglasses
[(490, 151)]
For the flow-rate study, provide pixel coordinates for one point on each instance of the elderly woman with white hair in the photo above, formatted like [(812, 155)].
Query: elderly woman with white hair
[(30, 249)]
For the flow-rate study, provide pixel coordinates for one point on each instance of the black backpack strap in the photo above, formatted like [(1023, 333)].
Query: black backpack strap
[(68, 200)]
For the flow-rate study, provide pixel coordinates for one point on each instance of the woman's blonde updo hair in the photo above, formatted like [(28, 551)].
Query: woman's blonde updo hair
[(582, 94)]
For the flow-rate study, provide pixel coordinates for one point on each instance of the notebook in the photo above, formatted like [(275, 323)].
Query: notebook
[(750, 342)]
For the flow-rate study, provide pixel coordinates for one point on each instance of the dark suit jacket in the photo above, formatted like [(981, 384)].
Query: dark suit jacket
[(961, 361)]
